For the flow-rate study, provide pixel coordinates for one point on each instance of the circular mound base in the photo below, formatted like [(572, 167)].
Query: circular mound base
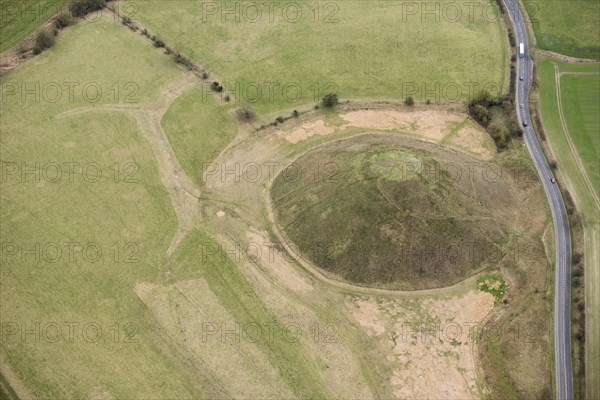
[(392, 212)]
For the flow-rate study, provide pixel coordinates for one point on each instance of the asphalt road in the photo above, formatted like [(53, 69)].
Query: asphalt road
[(562, 295)]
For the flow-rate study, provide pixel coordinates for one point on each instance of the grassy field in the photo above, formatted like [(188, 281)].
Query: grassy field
[(124, 218), (152, 305), (579, 101), (94, 301), (580, 97), (243, 306), (20, 18), (553, 22), (520, 363), (373, 219), (198, 130), (359, 49)]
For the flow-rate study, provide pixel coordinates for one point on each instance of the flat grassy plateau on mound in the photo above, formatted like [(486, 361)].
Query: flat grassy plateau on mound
[(381, 214)]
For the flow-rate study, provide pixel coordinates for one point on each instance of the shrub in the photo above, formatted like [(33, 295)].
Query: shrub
[(428, 101), (569, 203), (183, 60), (44, 40), (513, 58), (512, 83), (295, 113), (158, 42), (481, 114), (499, 133), (409, 101), (126, 20), (280, 120), (501, 129), (168, 50), (330, 100), (79, 8), (64, 19), (513, 125), (577, 256), (553, 164), (501, 6), (511, 38), (145, 32), (216, 86), (204, 75), (22, 48), (538, 123), (227, 98), (245, 114)]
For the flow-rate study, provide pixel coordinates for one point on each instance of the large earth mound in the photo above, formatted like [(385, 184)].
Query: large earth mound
[(393, 212)]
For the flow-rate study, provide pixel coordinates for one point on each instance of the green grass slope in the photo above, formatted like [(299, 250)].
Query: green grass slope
[(580, 93), (294, 365), (92, 234), (198, 130), (567, 27), (581, 96)]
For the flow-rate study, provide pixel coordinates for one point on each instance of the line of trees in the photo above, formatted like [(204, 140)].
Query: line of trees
[(46, 38), (79, 8)]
